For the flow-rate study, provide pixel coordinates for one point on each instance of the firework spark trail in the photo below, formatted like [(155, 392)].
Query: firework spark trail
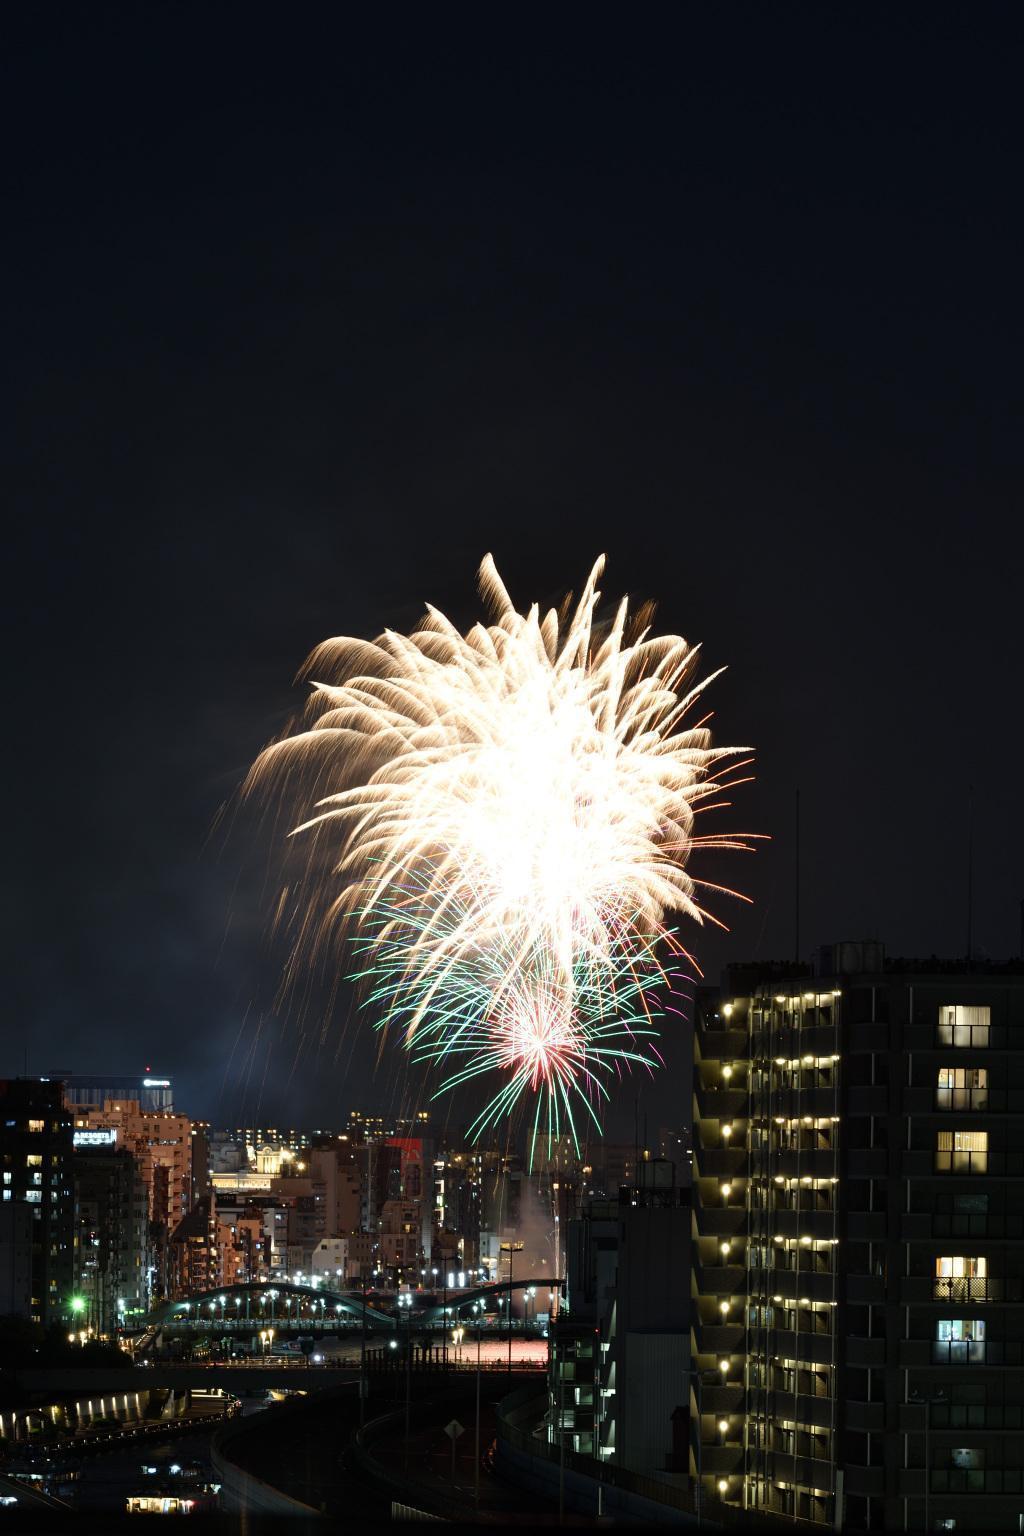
[(509, 815)]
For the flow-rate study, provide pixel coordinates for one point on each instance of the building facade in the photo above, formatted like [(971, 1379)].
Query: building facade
[(859, 1256), (620, 1348), (112, 1251), (36, 1151)]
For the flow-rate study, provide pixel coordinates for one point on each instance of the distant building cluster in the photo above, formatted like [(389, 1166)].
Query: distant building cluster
[(115, 1200)]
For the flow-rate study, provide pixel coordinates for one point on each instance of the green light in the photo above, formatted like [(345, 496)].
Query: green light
[(78, 1304)]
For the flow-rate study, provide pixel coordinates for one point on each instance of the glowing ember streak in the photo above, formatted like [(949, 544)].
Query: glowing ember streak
[(511, 813)]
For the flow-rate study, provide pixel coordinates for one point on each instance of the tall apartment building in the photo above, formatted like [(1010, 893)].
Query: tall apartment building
[(859, 1243), (36, 1151), (111, 1238)]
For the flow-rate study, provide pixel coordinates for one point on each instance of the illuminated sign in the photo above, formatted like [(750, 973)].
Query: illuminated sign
[(156, 1082), (94, 1138)]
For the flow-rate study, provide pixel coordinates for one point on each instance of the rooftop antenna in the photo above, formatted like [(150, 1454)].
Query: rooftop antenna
[(796, 883), (970, 873)]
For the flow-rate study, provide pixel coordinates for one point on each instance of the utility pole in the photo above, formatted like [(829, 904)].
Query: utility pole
[(362, 1358), (970, 873), (561, 1440), (796, 883), (408, 1373), (477, 1475)]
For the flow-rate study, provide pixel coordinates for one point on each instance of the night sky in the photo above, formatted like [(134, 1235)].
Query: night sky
[(300, 322)]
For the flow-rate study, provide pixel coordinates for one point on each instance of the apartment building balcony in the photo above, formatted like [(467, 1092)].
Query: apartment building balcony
[(815, 1040), (910, 1483), (917, 1101), (864, 1418), (925, 1100), (917, 1289), (720, 1220), (810, 1471), (802, 1344), (819, 1162), (869, 1099), (720, 1460), (801, 1408), (915, 1226), (864, 1482), (721, 1103), (721, 1399), (791, 1284), (867, 1162), (721, 1044), (864, 1353), (865, 1290), (818, 1101), (720, 1338), (964, 1045), (867, 1036), (985, 1354), (816, 1224), (719, 1162), (721, 1279), (866, 1226)]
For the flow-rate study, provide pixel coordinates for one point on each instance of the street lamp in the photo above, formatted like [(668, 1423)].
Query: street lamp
[(476, 1486)]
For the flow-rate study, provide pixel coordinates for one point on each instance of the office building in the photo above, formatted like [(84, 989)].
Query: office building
[(85, 1091)]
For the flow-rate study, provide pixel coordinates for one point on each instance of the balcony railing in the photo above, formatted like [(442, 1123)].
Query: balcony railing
[(961, 1162), (962, 1288), (964, 1036), (960, 1352), (964, 1098)]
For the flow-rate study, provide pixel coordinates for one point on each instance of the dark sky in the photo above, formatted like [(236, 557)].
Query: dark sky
[(301, 321)]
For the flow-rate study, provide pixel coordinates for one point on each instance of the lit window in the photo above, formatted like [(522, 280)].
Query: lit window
[(961, 1152), (960, 1341), (964, 1026), (33, 1196), (962, 1088), (37, 1125), (961, 1277)]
